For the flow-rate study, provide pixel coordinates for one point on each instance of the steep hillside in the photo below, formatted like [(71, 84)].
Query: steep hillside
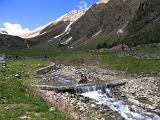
[(71, 16), (7, 41), (110, 24), (144, 28), (107, 23), (103, 19), (76, 28), (148, 11), (48, 37), (44, 36), (52, 32)]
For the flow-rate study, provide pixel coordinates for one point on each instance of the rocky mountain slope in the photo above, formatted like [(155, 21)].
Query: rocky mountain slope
[(100, 19), (144, 28), (71, 17), (116, 22), (74, 28), (44, 34), (8, 41), (52, 31)]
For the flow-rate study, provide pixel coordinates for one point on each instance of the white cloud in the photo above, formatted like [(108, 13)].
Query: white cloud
[(15, 29), (83, 5)]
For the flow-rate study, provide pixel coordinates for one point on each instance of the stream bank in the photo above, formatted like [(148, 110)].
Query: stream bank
[(87, 105)]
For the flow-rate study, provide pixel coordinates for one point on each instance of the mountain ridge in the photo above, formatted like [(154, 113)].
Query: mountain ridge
[(71, 16), (108, 22)]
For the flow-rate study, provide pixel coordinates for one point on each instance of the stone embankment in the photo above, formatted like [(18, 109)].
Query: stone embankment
[(74, 106)]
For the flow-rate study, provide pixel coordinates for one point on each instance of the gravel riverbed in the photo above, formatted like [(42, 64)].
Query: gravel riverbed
[(143, 92)]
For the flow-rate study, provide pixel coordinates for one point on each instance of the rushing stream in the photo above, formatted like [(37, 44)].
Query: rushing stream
[(102, 96), (105, 98)]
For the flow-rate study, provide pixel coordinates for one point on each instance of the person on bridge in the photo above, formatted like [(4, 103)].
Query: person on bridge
[(83, 79)]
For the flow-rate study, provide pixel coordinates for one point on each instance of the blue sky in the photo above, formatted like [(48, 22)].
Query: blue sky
[(34, 13)]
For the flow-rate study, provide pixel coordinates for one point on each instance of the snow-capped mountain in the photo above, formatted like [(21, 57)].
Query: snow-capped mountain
[(71, 17), (106, 23), (78, 28)]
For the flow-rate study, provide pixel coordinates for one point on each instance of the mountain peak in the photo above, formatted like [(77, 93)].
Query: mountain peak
[(72, 16)]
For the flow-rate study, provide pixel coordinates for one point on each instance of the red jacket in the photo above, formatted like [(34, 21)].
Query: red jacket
[(83, 77)]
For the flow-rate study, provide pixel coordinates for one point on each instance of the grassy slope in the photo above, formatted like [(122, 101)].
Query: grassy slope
[(16, 99), (147, 49), (143, 28), (109, 39), (130, 64), (148, 35), (112, 60)]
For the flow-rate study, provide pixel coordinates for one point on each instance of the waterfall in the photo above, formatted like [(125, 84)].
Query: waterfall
[(87, 88)]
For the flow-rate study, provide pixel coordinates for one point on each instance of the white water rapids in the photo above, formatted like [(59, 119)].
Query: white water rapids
[(117, 105)]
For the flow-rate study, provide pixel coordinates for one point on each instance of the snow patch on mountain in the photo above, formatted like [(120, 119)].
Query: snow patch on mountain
[(121, 30), (68, 29), (71, 16), (97, 33), (67, 41), (36, 32)]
